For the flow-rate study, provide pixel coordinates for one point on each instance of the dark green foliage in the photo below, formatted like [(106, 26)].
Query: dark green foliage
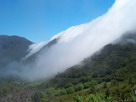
[(114, 82), (105, 85), (79, 87), (70, 90), (130, 81), (93, 90), (87, 85), (62, 92), (99, 98), (78, 98), (90, 84), (51, 92), (107, 94)]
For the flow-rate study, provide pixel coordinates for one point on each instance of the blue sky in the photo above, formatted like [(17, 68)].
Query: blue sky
[(39, 20)]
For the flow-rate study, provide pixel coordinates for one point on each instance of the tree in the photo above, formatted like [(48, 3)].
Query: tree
[(78, 99), (70, 90), (79, 87), (51, 92), (90, 84), (62, 92)]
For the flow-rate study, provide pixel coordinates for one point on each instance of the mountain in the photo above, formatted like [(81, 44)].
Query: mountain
[(119, 58), (70, 47), (12, 48), (108, 76), (92, 62)]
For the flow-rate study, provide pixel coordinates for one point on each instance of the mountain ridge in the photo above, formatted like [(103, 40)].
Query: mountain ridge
[(12, 48)]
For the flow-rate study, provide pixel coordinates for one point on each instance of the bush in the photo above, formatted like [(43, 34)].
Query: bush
[(113, 82), (78, 99), (99, 98), (70, 90), (79, 87), (93, 90), (90, 84), (86, 85), (51, 92), (105, 85), (133, 97), (61, 92)]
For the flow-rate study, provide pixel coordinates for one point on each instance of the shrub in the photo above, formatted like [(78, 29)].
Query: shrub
[(113, 82), (133, 97), (61, 92), (99, 98), (93, 90), (105, 85), (78, 99), (79, 87), (86, 85), (90, 84), (51, 92), (70, 90)]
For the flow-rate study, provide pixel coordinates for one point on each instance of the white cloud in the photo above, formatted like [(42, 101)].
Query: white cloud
[(79, 42)]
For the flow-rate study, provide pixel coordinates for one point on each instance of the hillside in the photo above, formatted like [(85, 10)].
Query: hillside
[(107, 76), (12, 48)]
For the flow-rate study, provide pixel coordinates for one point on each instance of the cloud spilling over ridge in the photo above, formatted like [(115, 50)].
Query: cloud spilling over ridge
[(79, 42)]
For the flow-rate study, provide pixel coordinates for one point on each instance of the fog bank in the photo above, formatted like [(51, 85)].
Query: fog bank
[(79, 42)]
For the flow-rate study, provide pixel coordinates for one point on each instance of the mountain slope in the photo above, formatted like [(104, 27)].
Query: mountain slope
[(12, 48), (112, 68), (110, 59), (110, 73)]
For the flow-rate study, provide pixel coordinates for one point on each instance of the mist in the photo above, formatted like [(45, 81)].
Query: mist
[(79, 42)]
